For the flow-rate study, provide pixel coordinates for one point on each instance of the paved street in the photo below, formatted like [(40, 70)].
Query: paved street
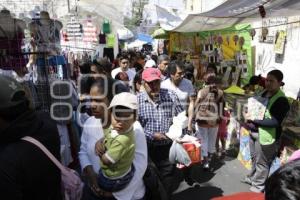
[(224, 179)]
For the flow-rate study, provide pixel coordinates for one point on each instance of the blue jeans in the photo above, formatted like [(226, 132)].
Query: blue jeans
[(114, 185)]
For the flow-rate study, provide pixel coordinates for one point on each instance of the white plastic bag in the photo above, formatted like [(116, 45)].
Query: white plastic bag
[(179, 122), (178, 154)]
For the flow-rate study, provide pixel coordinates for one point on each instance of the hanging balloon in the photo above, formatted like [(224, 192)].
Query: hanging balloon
[(252, 33), (241, 42), (220, 40), (235, 39), (264, 33), (228, 39)]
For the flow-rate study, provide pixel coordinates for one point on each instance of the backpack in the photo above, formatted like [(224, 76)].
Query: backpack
[(207, 111), (72, 185)]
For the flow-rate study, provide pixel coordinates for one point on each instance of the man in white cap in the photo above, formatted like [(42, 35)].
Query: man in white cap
[(150, 63)]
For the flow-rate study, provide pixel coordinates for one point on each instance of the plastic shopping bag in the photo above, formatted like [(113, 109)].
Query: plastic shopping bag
[(178, 154), (179, 122)]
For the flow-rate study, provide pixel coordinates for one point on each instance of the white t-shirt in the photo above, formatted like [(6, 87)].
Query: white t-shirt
[(92, 132), (129, 72), (183, 91)]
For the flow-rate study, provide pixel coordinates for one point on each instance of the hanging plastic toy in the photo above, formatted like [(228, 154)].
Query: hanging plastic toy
[(241, 42), (235, 39), (252, 33)]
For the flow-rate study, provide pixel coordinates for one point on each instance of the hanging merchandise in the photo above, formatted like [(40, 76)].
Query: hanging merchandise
[(65, 36), (89, 32), (228, 39), (264, 33), (102, 38), (211, 39), (220, 40), (262, 11), (46, 34), (11, 41), (109, 53), (241, 42), (110, 40), (279, 42), (215, 39), (74, 29), (252, 33), (235, 39), (106, 26)]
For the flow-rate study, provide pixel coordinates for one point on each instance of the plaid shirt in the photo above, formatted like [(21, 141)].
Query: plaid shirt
[(157, 117)]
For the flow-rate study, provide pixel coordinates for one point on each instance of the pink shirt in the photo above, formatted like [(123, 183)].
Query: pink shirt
[(224, 121)]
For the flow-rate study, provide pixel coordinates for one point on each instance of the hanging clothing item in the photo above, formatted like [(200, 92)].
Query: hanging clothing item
[(47, 36), (89, 32), (110, 38), (109, 53), (11, 56), (102, 38), (106, 27), (74, 30)]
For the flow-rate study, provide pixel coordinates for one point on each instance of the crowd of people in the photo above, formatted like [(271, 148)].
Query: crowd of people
[(126, 109)]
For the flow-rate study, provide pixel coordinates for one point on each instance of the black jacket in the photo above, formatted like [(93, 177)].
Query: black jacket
[(26, 173)]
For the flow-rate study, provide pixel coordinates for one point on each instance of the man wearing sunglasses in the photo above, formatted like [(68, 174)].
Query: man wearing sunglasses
[(157, 107)]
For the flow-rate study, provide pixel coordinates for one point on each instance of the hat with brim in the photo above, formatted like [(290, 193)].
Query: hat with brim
[(151, 74), (125, 99)]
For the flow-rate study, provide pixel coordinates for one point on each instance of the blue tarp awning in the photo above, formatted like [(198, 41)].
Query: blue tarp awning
[(145, 37)]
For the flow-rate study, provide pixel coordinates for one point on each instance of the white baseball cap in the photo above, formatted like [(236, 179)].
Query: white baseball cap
[(125, 99), (150, 63)]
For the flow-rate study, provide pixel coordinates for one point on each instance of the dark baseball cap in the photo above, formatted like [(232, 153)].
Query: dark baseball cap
[(12, 93)]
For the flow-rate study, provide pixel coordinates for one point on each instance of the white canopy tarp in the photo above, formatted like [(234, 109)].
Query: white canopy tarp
[(124, 33), (227, 14), (112, 9), (136, 44)]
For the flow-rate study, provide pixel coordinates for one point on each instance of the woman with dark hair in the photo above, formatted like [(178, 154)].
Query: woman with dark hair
[(93, 131), (266, 132), (189, 72)]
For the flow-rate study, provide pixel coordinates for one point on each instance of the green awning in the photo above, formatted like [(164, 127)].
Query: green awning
[(160, 34)]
